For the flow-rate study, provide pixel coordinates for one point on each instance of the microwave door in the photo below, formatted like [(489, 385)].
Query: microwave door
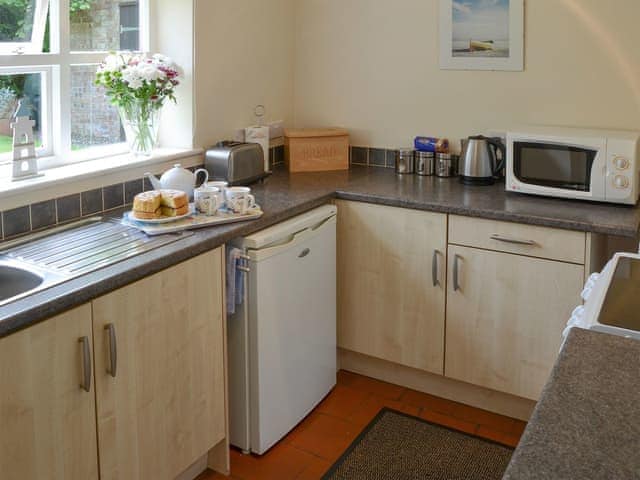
[(558, 167)]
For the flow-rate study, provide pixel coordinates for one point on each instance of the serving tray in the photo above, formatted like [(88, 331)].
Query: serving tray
[(196, 220)]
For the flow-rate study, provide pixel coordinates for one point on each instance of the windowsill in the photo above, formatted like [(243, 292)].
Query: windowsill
[(87, 175)]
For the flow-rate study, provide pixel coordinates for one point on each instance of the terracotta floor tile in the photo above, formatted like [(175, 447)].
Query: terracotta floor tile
[(342, 401), (491, 420), (325, 436), (430, 402), (510, 440), (316, 470), (371, 385), (310, 449), (211, 475), (447, 421), (372, 405), (518, 427), (346, 378), (279, 463)]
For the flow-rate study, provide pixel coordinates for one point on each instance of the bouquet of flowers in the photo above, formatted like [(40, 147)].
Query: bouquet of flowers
[(138, 85)]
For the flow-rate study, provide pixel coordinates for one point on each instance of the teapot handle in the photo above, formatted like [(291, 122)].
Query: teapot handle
[(206, 175), (497, 144)]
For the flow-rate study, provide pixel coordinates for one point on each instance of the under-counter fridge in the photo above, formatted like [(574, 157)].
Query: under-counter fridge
[(282, 337)]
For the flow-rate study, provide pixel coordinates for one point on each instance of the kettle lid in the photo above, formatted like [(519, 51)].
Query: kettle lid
[(478, 137)]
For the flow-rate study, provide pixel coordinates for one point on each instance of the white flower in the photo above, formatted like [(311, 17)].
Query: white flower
[(149, 72), (162, 60), (131, 75), (112, 63)]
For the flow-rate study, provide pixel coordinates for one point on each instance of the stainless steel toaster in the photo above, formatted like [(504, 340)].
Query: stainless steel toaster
[(235, 162)]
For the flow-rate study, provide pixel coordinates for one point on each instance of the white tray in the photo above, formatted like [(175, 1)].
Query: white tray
[(193, 221)]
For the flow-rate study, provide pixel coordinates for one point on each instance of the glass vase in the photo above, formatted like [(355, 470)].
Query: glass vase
[(141, 122)]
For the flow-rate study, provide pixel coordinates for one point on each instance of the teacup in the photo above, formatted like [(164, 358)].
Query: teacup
[(239, 199), (222, 186), (207, 199)]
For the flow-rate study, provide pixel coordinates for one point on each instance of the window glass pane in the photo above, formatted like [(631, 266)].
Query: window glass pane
[(94, 121), (103, 25), (27, 87), (16, 20)]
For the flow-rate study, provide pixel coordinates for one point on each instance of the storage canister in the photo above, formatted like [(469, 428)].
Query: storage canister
[(425, 163), (405, 162), (446, 165)]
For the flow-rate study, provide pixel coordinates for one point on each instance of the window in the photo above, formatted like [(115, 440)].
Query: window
[(49, 52)]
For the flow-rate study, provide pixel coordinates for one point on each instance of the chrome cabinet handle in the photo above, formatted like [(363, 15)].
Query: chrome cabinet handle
[(456, 280), (515, 241), (434, 268), (113, 349), (85, 383)]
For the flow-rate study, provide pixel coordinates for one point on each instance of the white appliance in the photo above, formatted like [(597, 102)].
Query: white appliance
[(582, 164), (282, 339), (611, 299)]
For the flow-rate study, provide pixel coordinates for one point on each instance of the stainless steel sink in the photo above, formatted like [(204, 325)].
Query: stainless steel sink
[(43, 260), (15, 280)]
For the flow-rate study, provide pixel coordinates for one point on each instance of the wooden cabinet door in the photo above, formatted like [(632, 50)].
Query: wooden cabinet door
[(165, 405), (47, 421), (505, 318), (388, 305)]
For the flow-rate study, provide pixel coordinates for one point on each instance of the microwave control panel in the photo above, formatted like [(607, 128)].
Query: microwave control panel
[(622, 170)]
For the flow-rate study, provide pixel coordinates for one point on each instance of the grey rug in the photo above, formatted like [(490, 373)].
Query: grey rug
[(396, 446)]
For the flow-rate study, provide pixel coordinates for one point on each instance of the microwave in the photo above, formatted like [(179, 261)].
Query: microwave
[(597, 165)]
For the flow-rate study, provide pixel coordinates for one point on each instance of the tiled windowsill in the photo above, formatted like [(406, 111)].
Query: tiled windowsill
[(88, 175)]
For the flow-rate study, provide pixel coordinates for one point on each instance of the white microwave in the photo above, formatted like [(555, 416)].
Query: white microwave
[(598, 165)]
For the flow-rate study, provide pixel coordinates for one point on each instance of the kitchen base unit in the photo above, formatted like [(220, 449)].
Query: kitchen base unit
[(282, 339), (130, 386), (47, 401), (465, 308)]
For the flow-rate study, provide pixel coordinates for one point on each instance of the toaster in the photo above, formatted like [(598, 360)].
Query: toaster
[(235, 162)]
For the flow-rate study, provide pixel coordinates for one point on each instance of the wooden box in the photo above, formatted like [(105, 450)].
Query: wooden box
[(316, 149)]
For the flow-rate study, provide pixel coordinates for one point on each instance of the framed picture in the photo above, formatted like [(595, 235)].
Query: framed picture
[(482, 34)]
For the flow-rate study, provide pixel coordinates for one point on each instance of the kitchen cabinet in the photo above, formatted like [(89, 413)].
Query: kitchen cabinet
[(505, 316), (159, 362), (47, 419), (391, 283)]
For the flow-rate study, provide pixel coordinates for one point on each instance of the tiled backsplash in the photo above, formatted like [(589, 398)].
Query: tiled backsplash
[(373, 157), (38, 216)]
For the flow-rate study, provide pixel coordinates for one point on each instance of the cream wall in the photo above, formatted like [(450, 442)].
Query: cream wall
[(243, 57), (372, 66)]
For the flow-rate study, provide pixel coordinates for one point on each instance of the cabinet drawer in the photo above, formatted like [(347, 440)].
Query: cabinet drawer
[(534, 241)]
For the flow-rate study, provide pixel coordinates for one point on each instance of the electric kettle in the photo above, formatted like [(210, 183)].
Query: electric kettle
[(479, 163)]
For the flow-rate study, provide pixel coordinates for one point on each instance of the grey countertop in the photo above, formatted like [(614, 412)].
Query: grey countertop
[(283, 195), (587, 423)]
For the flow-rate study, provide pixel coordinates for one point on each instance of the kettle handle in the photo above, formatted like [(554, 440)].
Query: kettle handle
[(496, 143)]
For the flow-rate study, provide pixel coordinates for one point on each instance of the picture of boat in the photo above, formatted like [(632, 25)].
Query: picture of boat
[(480, 45), (480, 28)]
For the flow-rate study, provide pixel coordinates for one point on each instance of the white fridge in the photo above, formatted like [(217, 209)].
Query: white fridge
[(282, 338)]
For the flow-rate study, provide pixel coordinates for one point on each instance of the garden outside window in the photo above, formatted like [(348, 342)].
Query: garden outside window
[(49, 52)]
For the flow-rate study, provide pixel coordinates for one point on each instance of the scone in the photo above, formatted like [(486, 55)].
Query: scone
[(146, 205), (148, 215), (160, 203), (174, 212), (174, 198)]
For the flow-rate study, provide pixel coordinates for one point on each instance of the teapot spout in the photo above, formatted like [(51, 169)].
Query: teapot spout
[(154, 181)]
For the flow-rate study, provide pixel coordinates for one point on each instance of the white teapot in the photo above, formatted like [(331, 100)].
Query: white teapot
[(178, 178)]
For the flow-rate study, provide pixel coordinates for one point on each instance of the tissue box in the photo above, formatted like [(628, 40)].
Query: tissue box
[(316, 149)]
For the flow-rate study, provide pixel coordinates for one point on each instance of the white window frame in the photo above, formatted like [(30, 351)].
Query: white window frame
[(55, 68), (34, 45)]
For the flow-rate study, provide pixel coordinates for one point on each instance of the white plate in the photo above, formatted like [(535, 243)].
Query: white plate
[(158, 221)]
